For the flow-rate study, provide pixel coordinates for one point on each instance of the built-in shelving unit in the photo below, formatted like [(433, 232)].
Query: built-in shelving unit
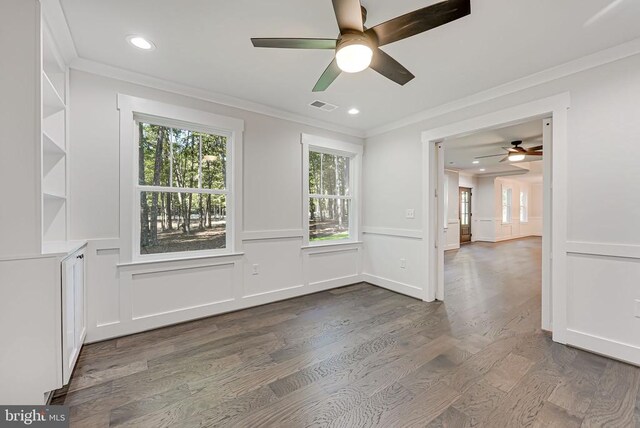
[(54, 147)]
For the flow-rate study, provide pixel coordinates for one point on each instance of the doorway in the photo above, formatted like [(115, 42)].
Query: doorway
[(465, 214), (554, 295)]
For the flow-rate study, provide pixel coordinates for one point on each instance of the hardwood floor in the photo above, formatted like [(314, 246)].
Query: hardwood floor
[(364, 356)]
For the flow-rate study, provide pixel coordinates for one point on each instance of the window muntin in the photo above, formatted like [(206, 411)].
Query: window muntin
[(506, 205), (524, 207), (330, 196), (182, 189)]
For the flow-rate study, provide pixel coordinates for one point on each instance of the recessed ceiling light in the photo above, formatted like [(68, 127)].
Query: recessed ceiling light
[(482, 170), (476, 162), (141, 43), (354, 111)]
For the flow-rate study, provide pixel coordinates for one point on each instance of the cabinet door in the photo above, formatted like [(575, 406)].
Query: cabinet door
[(73, 312)]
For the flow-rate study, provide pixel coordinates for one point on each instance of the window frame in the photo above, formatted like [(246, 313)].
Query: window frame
[(134, 110), (524, 206), (340, 148), (508, 205)]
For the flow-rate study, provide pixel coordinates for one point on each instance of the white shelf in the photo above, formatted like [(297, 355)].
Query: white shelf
[(51, 100), (53, 197), (50, 147)]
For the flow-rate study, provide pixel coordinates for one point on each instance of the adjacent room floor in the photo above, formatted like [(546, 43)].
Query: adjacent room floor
[(364, 356)]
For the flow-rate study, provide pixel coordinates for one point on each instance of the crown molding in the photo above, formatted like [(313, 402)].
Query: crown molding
[(56, 20), (594, 60), (105, 70), (57, 23)]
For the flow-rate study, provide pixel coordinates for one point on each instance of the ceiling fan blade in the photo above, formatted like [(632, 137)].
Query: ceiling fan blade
[(349, 15), (504, 159), (534, 149), (290, 43), (419, 21), (327, 78), (534, 153), (384, 64), (489, 156)]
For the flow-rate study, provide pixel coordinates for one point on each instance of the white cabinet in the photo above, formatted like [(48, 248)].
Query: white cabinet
[(74, 320)]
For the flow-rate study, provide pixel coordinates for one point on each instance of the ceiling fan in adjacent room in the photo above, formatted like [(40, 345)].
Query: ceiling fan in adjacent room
[(516, 153), (358, 47)]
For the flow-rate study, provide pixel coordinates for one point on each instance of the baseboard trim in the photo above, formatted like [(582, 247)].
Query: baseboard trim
[(609, 348), (398, 287)]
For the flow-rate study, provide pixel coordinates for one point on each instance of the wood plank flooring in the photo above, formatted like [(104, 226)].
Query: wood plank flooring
[(362, 356)]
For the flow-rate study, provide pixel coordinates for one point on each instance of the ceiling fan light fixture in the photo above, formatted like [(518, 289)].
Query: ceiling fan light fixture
[(516, 157), (354, 53)]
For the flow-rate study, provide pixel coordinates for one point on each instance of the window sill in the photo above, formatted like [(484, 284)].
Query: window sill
[(332, 244), (180, 259)]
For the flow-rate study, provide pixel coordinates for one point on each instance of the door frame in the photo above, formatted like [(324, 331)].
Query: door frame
[(554, 287)]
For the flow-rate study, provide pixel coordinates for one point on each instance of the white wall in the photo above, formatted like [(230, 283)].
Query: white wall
[(125, 299), (452, 234), (517, 229), (603, 114), (19, 121), (483, 200)]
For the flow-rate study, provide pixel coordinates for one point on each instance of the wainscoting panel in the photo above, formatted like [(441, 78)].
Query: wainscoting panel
[(603, 301), (394, 262), (340, 263), (167, 290)]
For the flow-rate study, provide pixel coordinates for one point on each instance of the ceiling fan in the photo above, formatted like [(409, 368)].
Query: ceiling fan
[(516, 153), (358, 47)]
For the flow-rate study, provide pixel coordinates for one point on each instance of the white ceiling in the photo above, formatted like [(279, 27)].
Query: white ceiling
[(459, 153), (205, 44)]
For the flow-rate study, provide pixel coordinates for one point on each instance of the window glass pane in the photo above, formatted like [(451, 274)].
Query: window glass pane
[(315, 177), (153, 155), (214, 161), (172, 222), (328, 219), (334, 174), (186, 157)]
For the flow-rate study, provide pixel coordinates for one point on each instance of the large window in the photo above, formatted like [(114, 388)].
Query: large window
[(506, 205), (331, 185), (182, 189), (524, 207)]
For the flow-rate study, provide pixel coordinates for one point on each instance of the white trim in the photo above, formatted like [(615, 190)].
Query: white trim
[(402, 233), (398, 287), (333, 247), (588, 62), (604, 249), (57, 23), (341, 148), (130, 109), (555, 106), (93, 67), (260, 235), (606, 347), (186, 257)]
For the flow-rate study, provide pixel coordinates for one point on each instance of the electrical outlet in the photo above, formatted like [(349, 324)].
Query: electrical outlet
[(403, 263), (411, 213), (255, 269), (637, 312)]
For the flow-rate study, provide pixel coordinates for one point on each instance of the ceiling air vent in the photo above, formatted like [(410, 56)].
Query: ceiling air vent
[(323, 106)]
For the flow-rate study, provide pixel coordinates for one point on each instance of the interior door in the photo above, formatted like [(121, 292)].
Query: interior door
[(465, 214)]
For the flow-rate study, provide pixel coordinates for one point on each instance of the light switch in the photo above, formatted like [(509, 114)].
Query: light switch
[(403, 263), (411, 213), (637, 311)]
